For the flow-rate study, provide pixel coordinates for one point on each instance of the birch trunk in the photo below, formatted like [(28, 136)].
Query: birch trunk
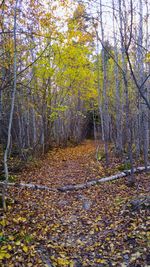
[(12, 107), (99, 94), (118, 96), (144, 111)]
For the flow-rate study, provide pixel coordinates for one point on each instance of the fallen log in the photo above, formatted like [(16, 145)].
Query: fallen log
[(66, 188), (91, 183), (119, 175), (30, 186)]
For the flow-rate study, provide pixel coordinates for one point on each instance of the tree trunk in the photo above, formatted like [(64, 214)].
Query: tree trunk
[(12, 107), (105, 100), (123, 33), (118, 96)]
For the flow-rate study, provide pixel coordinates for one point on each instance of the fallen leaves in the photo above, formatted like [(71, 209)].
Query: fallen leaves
[(87, 228), (4, 254)]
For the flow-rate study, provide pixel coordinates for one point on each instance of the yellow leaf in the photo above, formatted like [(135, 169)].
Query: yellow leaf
[(1, 256), (62, 254), (7, 255), (98, 219), (3, 222), (9, 247), (52, 258), (18, 243), (11, 237), (100, 261), (62, 262), (4, 255), (71, 264), (79, 242), (97, 244), (3, 248), (25, 249), (19, 219)]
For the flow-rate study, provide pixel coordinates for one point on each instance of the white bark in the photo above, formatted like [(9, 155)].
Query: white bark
[(99, 93), (117, 85), (12, 105), (144, 110), (117, 176)]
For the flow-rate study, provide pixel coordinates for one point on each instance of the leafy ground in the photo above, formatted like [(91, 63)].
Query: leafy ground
[(94, 227)]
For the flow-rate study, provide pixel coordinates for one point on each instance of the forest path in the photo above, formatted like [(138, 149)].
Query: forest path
[(93, 227), (70, 165)]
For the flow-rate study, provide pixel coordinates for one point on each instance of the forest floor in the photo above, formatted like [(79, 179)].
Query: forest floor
[(97, 226)]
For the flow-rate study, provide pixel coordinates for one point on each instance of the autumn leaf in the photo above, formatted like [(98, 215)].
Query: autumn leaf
[(25, 248)]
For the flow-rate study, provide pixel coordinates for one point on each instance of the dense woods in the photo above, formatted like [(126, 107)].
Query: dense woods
[(59, 73), (70, 71)]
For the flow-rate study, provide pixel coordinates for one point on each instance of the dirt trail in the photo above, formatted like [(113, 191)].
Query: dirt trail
[(66, 166), (93, 227)]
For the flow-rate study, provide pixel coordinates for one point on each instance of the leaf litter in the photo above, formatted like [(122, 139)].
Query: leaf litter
[(92, 227)]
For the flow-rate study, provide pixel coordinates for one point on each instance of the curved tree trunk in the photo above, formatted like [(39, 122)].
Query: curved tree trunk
[(12, 107)]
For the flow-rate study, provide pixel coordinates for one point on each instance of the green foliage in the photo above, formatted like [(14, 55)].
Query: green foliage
[(124, 166), (100, 155), (28, 238)]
